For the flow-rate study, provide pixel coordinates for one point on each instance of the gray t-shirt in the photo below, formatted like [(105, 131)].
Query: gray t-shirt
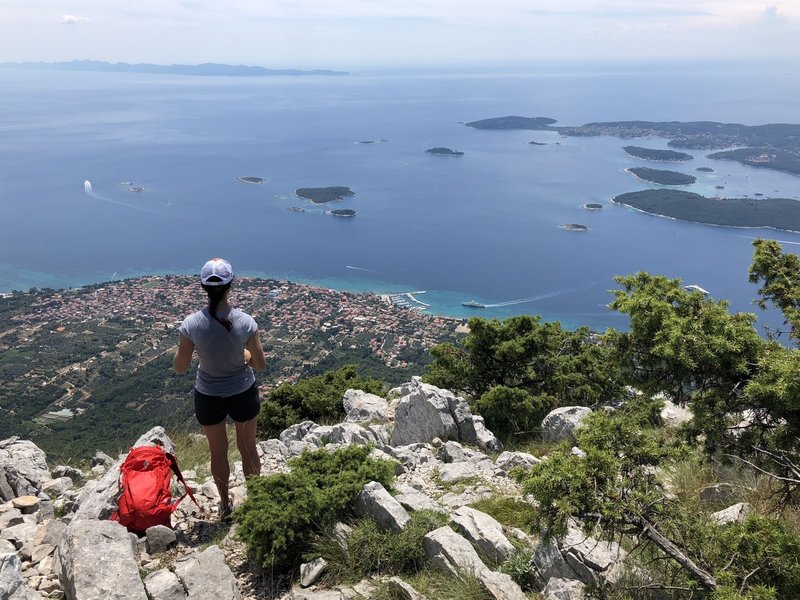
[(222, 370)]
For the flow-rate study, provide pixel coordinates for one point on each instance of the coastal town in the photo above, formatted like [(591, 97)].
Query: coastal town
[(58, 347)]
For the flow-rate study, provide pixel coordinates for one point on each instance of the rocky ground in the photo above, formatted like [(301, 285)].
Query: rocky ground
[(57, 540)]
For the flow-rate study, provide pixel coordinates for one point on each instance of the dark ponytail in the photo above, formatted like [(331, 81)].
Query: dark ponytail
[(215, 295)]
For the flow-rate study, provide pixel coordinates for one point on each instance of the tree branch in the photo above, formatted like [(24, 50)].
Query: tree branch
[(704, 577)]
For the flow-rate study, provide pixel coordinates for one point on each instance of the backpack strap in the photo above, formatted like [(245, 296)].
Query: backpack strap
[(175, 469)]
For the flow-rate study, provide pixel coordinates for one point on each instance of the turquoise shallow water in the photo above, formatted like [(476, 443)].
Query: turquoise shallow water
[(484, 226)]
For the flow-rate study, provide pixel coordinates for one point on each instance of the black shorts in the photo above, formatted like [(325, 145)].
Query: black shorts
[(211, 410)]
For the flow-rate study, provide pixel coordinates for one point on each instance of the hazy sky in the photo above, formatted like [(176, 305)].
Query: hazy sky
[(352, 33)]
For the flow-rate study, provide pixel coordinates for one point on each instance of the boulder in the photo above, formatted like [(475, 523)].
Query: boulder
[(422, 415), (673, 415), (374, 501), (563, 589), (453, 554), (486, 439), (164, 585), (484, 532), (516, 460), (550, 563), (400, 589), (718, 493), (27, 505), (23, 469), (10, 572), (561, 423), (732, 514), (414, 500), (96, 560), (311, 572), (205, 575), (351, 433), (361, 406), (65, 471), (159, 538), (296, 432)]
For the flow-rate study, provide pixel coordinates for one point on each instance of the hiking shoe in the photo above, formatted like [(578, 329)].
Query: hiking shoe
[(225, 510)]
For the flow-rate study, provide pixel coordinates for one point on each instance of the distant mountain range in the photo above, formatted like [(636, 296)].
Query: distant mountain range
[(208, 69)]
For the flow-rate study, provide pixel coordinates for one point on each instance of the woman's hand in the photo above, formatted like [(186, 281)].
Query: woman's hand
[(247, 357)]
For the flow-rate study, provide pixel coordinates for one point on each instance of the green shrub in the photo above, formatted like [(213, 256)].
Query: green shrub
[(371, 551), (283, 512), (513, 411), (315, 398)]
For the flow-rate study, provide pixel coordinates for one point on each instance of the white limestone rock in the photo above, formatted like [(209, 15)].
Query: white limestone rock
[(516, 460), (10, 572), (561, 423), (95, 560), (374, 501), (164, 585), (673, 415), (159, 539), (400, 589), (23, 469), (732, 514), (422, 415), (413, 500), (484, 532), (563, 589), (311, 572), (361, 406), (205, 575)]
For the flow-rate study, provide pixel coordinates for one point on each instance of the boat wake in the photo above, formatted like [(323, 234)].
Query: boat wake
[(359, 269), (87, 187), (535, 298)]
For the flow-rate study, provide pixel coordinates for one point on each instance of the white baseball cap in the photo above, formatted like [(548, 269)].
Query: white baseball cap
[(217, 271)]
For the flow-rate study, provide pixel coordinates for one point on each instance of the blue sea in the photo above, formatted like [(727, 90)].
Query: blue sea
[(483, 226)]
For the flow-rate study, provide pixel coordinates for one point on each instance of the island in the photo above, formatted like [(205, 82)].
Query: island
[(205, 69), (777, 213), (136, 188), (656, 155), (341, 212), (574, 227), (771, 146), (592, 206), (297, 209), (444, 152), (325, 194), (660, 176), (538, 144), (719, 187), (705, 169), (512, 122), (251, 180)]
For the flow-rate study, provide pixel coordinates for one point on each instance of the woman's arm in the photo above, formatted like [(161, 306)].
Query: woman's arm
[(257, 359), (183, 357)]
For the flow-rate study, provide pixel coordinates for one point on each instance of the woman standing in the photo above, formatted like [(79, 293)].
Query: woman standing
[(228, 346)]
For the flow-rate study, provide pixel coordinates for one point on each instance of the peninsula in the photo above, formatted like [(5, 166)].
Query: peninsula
[(325, 194), (444, 152), (771, 146), (656, 155), (660, 176), (778, 213)]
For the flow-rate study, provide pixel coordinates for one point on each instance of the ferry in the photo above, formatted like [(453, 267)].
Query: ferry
[(473, 304)]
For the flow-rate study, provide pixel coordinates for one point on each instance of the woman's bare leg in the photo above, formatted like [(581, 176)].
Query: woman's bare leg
[(220, 469), (246, 442)]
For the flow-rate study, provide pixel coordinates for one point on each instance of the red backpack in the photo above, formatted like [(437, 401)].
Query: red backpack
[(144, 495)]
